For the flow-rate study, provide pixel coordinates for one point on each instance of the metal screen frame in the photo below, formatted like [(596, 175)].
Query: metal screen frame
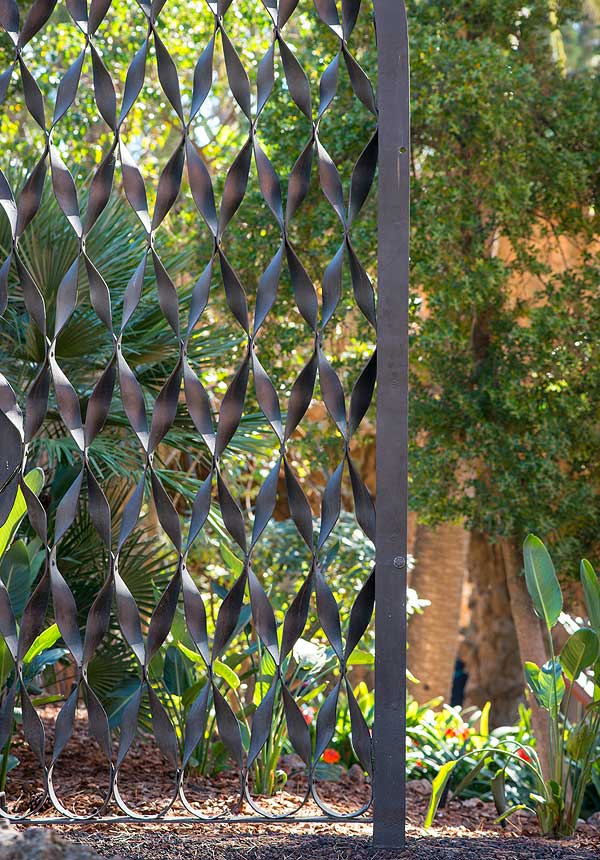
[(386, 751), (389, 734)]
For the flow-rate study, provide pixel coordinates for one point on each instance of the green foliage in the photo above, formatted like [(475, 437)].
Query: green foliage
[(280, 559), (547, 685), (245, 681), (541, 580), (591, 591), (40, 656), (35, 481), (505, 362), (20, 563), (446, 740), (559, 794), (579, 652)]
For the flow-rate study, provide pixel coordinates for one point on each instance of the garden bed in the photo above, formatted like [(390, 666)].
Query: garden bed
[(462, 830)]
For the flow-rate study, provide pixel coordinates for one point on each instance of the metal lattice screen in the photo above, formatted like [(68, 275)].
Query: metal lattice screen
[(245, 417)]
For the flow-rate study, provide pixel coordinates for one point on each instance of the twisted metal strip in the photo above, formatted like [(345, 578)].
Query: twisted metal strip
[(144, 644)]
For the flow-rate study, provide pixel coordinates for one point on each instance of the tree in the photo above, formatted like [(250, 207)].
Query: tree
[(505, 369)]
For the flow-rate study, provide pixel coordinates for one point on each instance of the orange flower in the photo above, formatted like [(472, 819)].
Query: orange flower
[(331, 756), (523, 755)]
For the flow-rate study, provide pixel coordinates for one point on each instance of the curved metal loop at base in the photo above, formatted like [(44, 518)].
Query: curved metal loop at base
[(332, 813), (18, 819), (136, 816), (199, 816), (68, 813), (265, 813)]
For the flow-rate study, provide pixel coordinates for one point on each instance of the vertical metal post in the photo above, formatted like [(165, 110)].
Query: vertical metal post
[(389, 787)]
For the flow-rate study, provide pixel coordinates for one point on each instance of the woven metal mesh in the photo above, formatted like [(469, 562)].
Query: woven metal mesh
[(215, 416)]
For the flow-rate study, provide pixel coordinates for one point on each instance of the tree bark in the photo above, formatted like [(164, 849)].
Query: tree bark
[(438, 576), (489, 648)]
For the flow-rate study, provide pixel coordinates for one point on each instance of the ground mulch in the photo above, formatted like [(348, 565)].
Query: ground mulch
[(462, 830)]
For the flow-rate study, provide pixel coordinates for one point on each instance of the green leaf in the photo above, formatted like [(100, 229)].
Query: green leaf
[(312, 693), (261, 688), (532, 673), (46, 657), (6, 663), (360, 658), (46, 639), (542, 583), (470, 776), (13, 762), (35, 482), (40, 701), (557, 792), (437, 787), (499, 793), (219, 668), (591, 592), (192, 693), (17, 574), (580, 740), (547, 684), (234, 564), (511, 811), (175, 672), (194, 656), (226, 672), (123, 696), (579, 651), (267, 665)]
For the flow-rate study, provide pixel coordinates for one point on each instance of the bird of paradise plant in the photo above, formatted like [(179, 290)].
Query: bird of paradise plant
[(558, 794)]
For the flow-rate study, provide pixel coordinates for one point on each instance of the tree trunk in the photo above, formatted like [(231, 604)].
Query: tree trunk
[(489, 649), (530, 636), (438, 576)]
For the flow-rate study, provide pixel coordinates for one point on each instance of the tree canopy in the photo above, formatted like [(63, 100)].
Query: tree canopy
[(505, 346)]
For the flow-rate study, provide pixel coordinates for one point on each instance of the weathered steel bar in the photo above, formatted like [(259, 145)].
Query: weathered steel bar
[(389, 796)]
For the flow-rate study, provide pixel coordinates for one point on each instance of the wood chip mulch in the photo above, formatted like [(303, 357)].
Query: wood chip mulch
[(462, 830)]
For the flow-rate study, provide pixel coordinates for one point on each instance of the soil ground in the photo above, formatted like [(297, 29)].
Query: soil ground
[(462, 830)]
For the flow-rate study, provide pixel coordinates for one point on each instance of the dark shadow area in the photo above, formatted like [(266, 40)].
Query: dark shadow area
[(275, 844)]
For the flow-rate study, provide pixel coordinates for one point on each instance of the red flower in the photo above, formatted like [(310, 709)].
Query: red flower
[(462, 733), (419, 763), (308, 713), (331, 756), (523, 755)]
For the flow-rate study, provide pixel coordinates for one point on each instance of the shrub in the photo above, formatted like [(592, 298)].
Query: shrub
[(438, 734)]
